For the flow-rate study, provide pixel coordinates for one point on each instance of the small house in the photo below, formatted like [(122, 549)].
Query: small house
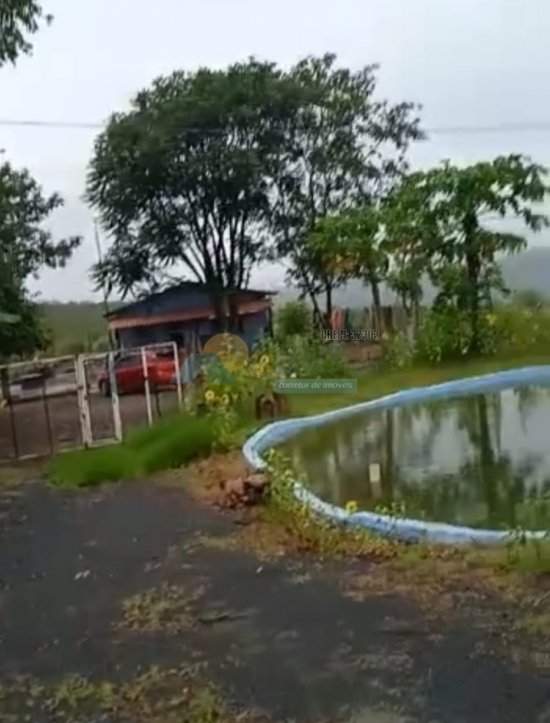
[(185, 314)]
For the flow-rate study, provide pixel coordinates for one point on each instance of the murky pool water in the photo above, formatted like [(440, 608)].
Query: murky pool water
[(480, 460)]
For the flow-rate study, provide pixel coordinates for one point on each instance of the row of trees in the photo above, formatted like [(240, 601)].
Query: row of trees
[(220, 170), (434, 224)]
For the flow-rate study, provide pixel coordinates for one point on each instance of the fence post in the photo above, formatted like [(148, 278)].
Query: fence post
[(178, 376), (146, 385), (83, 401), (114, 398)]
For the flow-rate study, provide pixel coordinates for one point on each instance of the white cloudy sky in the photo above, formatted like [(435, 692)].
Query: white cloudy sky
[(469, 62)]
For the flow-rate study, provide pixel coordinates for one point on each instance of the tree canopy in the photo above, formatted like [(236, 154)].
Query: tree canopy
[(183, 178), (25, 247), (345, 149), (445, 217), (215, 171), (19, 19)]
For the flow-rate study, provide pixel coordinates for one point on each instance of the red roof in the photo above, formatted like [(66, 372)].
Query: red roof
[(245, 307)]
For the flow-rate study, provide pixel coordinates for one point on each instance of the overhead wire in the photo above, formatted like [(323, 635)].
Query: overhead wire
[(441, 130)]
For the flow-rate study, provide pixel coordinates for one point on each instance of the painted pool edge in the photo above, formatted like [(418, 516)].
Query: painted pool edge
[(409, 530)]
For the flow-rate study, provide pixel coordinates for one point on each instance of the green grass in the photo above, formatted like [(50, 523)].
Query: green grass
[(171, 443), (387, 381)]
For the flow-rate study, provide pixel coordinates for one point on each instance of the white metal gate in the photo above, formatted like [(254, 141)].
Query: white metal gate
[(90, 396)]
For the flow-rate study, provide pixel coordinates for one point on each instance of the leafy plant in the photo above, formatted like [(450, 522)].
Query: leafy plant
[(314, 533), (25, 247), (293, 318), (18, 20), (442, 215)]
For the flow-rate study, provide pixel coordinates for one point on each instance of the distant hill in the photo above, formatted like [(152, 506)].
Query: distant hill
[(75, 326), (528, 270)]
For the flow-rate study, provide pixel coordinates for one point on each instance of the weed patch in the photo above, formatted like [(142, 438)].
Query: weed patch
[(165, 609), (164, 696)]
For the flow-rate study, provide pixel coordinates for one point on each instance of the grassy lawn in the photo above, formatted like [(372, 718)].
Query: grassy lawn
[(173, 442), (378, 384)]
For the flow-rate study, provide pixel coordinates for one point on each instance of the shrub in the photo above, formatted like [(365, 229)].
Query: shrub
[(443, 334), (171, 442), (297, 356), (400, 351), (292, 318), (446, 334)]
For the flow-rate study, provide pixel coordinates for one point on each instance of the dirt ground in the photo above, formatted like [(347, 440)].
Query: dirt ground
[(96, 588), (24, 427)]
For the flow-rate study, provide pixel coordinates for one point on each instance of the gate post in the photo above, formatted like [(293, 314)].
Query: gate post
[(83, 401), (178, 376), (114, 397), (147, 385)]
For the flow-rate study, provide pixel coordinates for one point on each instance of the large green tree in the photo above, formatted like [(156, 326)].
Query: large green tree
[(445, 216), (182, 180), (25, 248), (19, 19), (343, 148)]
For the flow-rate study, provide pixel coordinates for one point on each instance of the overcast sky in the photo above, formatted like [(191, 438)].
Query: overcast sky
[(468, 62)]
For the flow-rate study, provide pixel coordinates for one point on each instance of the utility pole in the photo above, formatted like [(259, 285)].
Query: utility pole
[(103, 288)]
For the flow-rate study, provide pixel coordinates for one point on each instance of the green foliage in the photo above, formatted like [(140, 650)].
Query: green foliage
[(292, 318), (399, 352), (27, 335), (345, 246), (440, 216), (170, 443), (230, 399), (18, 20), (25, 247), (196, 190), (344, 148), (445, 334), (237, 157), (314, 533)]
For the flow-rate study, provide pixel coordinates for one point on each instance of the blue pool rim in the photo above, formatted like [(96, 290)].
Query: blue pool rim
[(407, 530)]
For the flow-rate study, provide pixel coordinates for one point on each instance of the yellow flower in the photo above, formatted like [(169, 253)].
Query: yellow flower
[(224, 401), (351, 507), (264, 360), (209, 395)]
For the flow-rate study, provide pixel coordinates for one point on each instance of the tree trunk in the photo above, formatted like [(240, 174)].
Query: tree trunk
[(375, 289), (473, 300), (328, 291), (218, 296)]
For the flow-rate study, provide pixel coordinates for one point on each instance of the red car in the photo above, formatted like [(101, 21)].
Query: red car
[(161, 370)]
